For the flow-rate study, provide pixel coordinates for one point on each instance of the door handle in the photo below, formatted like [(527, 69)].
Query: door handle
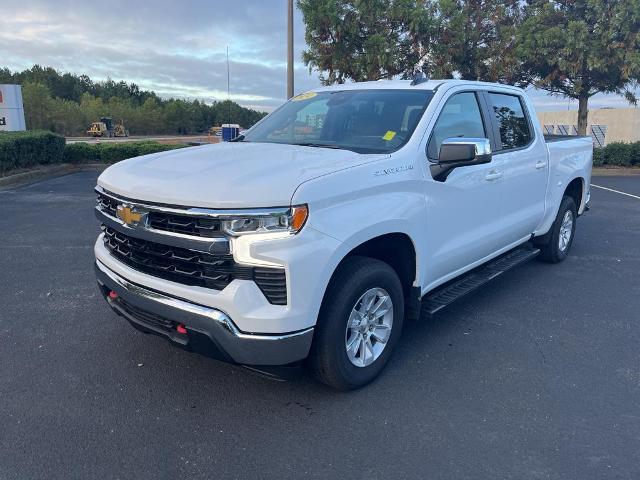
[(541, 164), (493, 175)]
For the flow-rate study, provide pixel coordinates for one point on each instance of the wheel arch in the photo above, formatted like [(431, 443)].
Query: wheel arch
[(575, 189), (398, 250)]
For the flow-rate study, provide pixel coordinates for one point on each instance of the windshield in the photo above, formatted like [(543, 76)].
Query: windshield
[(365, 121)]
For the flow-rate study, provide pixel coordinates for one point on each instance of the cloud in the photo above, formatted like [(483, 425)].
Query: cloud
[(177, 49)]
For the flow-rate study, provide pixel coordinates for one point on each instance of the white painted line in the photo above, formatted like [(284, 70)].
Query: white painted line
[(616, 191)]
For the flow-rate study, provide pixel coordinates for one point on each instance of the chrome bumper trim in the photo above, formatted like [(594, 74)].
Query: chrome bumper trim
[(241, 347)]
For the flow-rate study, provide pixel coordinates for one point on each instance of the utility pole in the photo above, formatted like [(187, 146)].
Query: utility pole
[(290, 50), (228, 89)]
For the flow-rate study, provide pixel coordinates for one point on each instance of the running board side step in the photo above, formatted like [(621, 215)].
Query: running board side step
[(444, 295)]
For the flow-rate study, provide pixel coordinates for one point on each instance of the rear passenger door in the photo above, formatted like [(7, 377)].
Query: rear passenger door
[(524, 164)]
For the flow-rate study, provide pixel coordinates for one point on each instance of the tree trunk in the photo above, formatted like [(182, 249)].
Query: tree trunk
[(583, 113)]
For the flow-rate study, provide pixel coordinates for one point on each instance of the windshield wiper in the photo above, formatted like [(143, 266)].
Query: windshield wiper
[(319, 145)]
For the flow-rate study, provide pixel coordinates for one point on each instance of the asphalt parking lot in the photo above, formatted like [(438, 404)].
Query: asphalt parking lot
[(535, 377)]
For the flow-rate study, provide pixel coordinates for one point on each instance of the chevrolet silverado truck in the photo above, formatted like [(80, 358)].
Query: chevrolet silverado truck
[(346, 211)]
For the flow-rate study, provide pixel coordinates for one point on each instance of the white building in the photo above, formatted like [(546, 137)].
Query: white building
[(605, 125), (11, 108)]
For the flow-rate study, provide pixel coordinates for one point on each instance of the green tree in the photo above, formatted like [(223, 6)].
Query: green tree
[(67, 117), (150, 117), (6, 76), (577, 48), (38, 106), (67, 103), (365, 39), (93, 107), (476, 40)]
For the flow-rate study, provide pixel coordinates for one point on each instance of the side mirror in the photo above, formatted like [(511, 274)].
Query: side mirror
[(460, 152)]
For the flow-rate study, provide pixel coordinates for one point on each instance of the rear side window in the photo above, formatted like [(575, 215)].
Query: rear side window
[(512, 121), (460, 117)]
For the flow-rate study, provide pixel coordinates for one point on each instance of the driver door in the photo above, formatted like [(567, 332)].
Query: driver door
[(463, 210)]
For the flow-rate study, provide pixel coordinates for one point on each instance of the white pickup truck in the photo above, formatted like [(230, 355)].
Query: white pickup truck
[(349, 209)]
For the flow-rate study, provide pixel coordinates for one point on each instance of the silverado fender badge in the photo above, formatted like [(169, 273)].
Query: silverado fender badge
[(392, 170)]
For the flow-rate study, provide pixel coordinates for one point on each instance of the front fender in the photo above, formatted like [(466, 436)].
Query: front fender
[(359, 204)]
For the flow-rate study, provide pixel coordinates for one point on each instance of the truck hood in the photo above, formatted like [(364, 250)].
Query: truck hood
[(226, 175)]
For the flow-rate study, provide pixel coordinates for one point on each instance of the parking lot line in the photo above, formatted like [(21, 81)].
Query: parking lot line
[(616, 191)]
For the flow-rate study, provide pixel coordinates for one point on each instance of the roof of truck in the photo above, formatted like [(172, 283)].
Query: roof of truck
[(406, 84)]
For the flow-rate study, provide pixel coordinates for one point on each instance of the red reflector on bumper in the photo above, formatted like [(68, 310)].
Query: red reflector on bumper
[(113, 295), (180, 329)]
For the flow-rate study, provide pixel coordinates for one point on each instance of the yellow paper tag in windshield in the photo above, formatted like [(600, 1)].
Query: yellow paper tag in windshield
[(304, 96), (389, 135)]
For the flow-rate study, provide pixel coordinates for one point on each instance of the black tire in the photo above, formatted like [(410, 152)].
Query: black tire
[(550, 251), (328, 359)]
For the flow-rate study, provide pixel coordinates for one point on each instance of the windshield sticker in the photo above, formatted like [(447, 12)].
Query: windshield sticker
[(304, 96), (389, 135)]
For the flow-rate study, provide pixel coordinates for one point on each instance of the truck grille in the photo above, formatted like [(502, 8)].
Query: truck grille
[(107, 204), (190, 267), (200, 227), (169, 222)]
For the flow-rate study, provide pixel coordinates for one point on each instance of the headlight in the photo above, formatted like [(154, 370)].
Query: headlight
[(285, 220)]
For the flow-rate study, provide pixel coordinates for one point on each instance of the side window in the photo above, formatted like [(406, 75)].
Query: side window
[(460, 117), (512, 121)]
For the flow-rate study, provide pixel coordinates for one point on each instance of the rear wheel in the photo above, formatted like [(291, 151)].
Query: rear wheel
[(558, 241), (359, 324)]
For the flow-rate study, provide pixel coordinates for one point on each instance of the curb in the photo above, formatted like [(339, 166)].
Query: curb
[(615, 171), (44, 173)]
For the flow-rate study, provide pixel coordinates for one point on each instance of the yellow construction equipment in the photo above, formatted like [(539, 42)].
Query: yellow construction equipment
[(98, 129), (119, 130), (106, 128)]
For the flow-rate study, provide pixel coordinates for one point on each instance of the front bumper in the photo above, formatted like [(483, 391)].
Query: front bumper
[(209, 331)]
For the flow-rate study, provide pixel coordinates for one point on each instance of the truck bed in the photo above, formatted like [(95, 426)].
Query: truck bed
[(560, 138)]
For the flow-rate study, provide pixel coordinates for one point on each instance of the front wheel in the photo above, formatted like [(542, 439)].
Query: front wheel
[(560, 238), (359, 324)]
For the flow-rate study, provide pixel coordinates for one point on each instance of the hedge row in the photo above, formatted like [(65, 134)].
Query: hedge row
[(27, 149), (19, 150), (618, 153), (112, 152)]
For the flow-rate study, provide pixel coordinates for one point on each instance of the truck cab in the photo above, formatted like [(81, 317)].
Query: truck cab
[(315, 234)]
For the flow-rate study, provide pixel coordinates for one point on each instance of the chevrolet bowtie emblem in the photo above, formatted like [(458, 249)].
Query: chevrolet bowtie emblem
[(128, 215)]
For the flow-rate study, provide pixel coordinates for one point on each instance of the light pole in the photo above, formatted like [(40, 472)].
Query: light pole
[(290, 50)]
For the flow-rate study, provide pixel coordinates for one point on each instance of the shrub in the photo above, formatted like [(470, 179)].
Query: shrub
[(80, 152), (598, 157), (618, 154), (635, 154), (112, 152), (27, 149), (39, 147)]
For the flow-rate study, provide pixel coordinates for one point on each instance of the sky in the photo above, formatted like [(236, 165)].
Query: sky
[(176, 47)]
